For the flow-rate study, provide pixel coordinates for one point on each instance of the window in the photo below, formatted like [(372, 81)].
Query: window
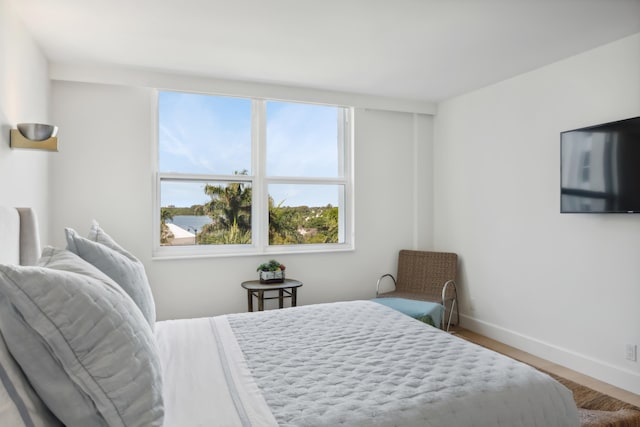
[(585, 174), (238, 175)]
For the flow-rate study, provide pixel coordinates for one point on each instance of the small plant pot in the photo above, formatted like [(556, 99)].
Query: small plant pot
[(271, 276)]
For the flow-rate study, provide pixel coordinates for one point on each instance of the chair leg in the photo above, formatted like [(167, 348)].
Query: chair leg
[(454, 305), (457, 312)]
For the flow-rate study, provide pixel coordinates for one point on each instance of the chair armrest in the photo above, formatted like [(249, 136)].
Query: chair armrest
[(380, 279), (449, 284)]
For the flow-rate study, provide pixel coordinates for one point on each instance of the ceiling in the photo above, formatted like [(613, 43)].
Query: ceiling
[(413, 49)]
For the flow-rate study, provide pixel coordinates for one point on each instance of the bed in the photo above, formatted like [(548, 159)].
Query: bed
[(80, 345)]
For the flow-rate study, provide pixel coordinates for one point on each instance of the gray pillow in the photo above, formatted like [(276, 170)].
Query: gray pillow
[(117, 263), (21, 406), (82, 343)]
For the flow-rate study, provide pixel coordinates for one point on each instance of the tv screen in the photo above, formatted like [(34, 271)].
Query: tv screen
[(600, 168)]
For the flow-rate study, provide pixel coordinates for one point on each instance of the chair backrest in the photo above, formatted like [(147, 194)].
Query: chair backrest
[(425, 272)]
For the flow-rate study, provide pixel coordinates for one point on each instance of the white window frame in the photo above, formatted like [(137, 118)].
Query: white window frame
[(259, 183)]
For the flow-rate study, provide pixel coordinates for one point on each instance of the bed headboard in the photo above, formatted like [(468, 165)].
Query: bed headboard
[(19, 237)]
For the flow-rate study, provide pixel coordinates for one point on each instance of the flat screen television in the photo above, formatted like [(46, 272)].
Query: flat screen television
[(600, 168)]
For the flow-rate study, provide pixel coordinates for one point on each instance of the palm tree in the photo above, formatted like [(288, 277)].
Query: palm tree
[(165, 215), (230, 210), (230, 204), (165, 234), (283, 225)]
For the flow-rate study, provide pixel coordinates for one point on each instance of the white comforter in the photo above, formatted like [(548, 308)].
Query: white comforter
[(352, 364)]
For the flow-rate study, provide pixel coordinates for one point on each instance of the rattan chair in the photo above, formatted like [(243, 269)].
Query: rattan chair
[(426, 276)]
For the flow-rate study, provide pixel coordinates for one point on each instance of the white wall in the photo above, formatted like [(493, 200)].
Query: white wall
[(24, 97), (104, 172), (564, 287)]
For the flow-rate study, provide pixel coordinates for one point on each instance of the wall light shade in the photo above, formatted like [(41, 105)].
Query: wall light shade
[(35, 135)]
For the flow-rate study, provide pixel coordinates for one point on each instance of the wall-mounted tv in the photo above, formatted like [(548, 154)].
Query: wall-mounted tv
[(600, 168)]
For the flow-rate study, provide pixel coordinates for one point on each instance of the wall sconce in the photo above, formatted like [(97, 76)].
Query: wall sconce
[(34, 135)]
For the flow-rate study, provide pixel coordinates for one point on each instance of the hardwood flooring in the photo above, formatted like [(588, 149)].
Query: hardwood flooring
[(602, 387)]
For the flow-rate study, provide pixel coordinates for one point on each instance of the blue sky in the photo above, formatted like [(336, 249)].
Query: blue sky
[(204, 134)]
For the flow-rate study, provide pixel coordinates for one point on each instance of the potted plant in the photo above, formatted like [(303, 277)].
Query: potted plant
[(271, 272)]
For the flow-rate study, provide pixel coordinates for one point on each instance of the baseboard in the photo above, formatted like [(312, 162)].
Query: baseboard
[(600, 370)]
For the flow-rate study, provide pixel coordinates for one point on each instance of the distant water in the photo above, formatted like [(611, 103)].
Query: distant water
[(191, 223)]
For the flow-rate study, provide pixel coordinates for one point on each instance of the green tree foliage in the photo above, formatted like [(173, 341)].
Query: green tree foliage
[(233, 235), (325, 222), (165, 234), (193, 210), (230, 204), (230, 211), (302, 224), (284, 225)]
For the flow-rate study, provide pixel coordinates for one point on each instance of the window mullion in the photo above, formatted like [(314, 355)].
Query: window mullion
[(203, 177), (260, 208), (341, 118), (346, 221), (305, 180)]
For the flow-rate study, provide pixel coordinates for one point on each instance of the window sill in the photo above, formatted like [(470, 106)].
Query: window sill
[(194, 252)]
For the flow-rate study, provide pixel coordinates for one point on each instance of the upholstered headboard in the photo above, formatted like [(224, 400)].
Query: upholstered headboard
[(19, 237)]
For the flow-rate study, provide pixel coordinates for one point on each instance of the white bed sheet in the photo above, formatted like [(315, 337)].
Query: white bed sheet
[(206, 382), (352, 364)]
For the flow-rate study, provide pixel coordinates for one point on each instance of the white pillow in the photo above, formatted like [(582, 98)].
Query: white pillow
[(117, 263), (20, 406), (82, 343)]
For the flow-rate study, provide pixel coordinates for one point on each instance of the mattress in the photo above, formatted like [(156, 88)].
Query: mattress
[(350, 363)]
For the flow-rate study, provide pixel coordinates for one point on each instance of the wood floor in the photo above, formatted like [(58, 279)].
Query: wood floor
[(625, 396)]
